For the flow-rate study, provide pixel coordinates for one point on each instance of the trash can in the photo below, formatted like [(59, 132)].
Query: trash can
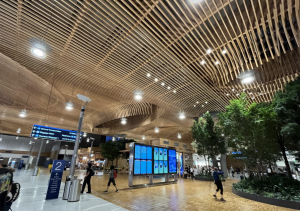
[(75, 190), (67, 187)]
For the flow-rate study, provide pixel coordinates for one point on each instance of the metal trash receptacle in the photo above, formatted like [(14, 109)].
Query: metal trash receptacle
[(67, 187), (75, 190)]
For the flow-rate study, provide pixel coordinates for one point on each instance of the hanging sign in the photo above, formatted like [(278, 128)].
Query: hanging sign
[(55, 179)]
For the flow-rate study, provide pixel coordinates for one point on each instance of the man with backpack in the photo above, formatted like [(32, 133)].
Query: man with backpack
[(87, 178), (112, 176)]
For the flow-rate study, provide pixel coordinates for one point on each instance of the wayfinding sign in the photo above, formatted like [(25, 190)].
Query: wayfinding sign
[(55, 179), (53, 133)]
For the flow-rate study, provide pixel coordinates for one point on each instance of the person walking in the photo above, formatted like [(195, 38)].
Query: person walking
[(218, 183), (87, 178), (232, 171), (6, 180), (112, 177)]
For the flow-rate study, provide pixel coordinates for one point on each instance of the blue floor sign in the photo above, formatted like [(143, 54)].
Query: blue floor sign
[(55, 179)]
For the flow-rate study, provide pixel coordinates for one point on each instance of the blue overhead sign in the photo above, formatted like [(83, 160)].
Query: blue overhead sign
[(55, 179), (39, 131)]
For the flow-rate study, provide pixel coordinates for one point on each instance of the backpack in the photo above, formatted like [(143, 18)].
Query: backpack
[(92, 172), (14, 192), (115, 173)]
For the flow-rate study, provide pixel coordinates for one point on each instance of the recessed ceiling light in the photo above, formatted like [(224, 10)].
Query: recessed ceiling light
[(247, 80), (23, 113), (250, 93), (143, 137), (233, 90), (227, 94), (69, 106), (217, 62), (162, 83), (123, 121), (138, 94), (194, 105), (174, 91), (260, 93), (202, 62), (169, 87), (181, 115), (206, 102), (148, 75), (155, 79), (156, 130), (244, 90), (224, 51), (197, 102), (179, 135), (237, 94), (208, 51), (202, 105), (38, 52)]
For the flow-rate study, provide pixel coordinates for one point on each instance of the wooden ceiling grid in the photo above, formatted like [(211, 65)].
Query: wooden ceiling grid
[(105, 49)]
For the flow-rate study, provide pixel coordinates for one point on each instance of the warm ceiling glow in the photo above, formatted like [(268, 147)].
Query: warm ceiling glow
[(38, 52), (247, 80), (202, 62), (148, 75), (208, 51)]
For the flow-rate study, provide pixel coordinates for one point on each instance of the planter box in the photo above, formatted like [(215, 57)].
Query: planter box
[(204, 179), (272, 201)]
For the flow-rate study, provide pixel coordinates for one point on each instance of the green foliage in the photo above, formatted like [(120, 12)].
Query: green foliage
[(208, 139), (111, 149), (247, 127), (275, 186)]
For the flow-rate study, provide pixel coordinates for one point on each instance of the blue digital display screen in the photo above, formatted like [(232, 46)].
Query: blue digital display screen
[(166, 167), (137, 167), (149, 167), (137, 152), (149, 153), (143, 167), (165, 154), (155, 167), (161, 167), (155, 153), (40, 131), (172, 161), (160, 155), (144, 152), (108, 138)]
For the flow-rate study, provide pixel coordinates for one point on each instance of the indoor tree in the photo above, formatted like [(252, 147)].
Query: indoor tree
[(111, 149), (208, 139), (286, 123), (246, 126)]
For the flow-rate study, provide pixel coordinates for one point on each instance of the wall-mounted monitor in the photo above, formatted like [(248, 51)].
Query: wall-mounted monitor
[(172, 161)]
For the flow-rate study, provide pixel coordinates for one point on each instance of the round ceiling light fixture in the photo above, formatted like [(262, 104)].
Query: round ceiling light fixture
[(224, 51), (69, 106), (123, 121), (148, 74), (138, 94), (179, 135), (39, 48), (247, 77), (156, 130), (202, 62), (208, 51), (155, 79), (162, 83), (143, 137), (84, 134), (174, 91), (181, 115), (169, 87), (23, 114)]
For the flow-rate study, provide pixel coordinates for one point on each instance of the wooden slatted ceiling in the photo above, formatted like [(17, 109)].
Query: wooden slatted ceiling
[(105, 49)]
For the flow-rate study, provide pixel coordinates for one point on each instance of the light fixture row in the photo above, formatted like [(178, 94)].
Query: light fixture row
[(163, 84)]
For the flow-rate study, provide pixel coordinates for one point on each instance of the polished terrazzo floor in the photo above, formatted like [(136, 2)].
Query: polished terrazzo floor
[(186, 195)]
